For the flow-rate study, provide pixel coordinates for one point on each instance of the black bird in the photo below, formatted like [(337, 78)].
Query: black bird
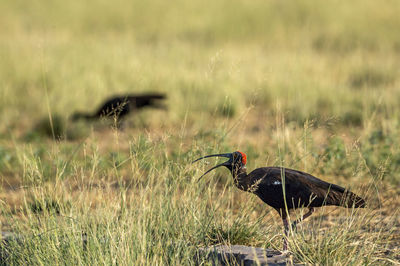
[(286, 189), (118, 107)]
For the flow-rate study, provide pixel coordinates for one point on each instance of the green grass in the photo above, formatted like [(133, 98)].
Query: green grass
[(311, 86)]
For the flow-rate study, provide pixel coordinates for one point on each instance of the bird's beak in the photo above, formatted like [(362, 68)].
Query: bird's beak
[(227, 163)]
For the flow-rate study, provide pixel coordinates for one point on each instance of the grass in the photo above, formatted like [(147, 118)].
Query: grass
[(291, 84)]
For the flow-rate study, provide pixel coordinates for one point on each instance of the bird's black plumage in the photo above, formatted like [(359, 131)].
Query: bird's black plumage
[(286, 189), (301, 189), (118, 107)]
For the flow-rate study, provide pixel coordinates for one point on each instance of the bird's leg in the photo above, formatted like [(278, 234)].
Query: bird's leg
[(310, 211), (286, 226)]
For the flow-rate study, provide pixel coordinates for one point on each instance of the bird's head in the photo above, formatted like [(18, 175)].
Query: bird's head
[(237, 160)]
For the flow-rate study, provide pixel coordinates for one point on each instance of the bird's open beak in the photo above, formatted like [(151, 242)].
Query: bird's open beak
[(227, 163)]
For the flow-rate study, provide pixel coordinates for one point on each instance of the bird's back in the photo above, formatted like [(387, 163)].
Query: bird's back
[(114, 106), (300, 189), (139, 101), (122, 105)]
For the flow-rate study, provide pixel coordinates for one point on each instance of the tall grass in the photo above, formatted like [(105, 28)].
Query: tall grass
[(143, 205)]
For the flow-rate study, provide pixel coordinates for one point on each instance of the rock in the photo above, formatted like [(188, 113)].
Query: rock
[(243, 255)]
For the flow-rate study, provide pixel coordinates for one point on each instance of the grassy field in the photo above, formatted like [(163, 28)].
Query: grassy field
[(308, 85)]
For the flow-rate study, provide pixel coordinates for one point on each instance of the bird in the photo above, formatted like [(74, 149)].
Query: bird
[(285, 189), (118, 107)]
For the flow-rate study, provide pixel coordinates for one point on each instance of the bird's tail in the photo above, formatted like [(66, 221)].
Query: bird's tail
[(155, 100), (149, 96), (350, 199), (341, 197), (158, 96)]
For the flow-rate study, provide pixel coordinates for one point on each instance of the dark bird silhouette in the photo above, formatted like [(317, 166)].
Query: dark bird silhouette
[(118, 107), (286, 189)]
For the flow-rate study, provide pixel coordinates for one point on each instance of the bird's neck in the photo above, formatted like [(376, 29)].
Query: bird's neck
[(241, 179)]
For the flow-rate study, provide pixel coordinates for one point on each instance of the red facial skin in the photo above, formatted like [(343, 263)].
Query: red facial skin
[(244, 158)]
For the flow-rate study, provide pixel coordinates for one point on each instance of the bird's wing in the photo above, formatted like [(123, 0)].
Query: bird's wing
[(277, 175), (300, 185)]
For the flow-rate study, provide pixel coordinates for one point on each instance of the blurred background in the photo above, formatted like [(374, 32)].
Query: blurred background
[(317, 60)]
